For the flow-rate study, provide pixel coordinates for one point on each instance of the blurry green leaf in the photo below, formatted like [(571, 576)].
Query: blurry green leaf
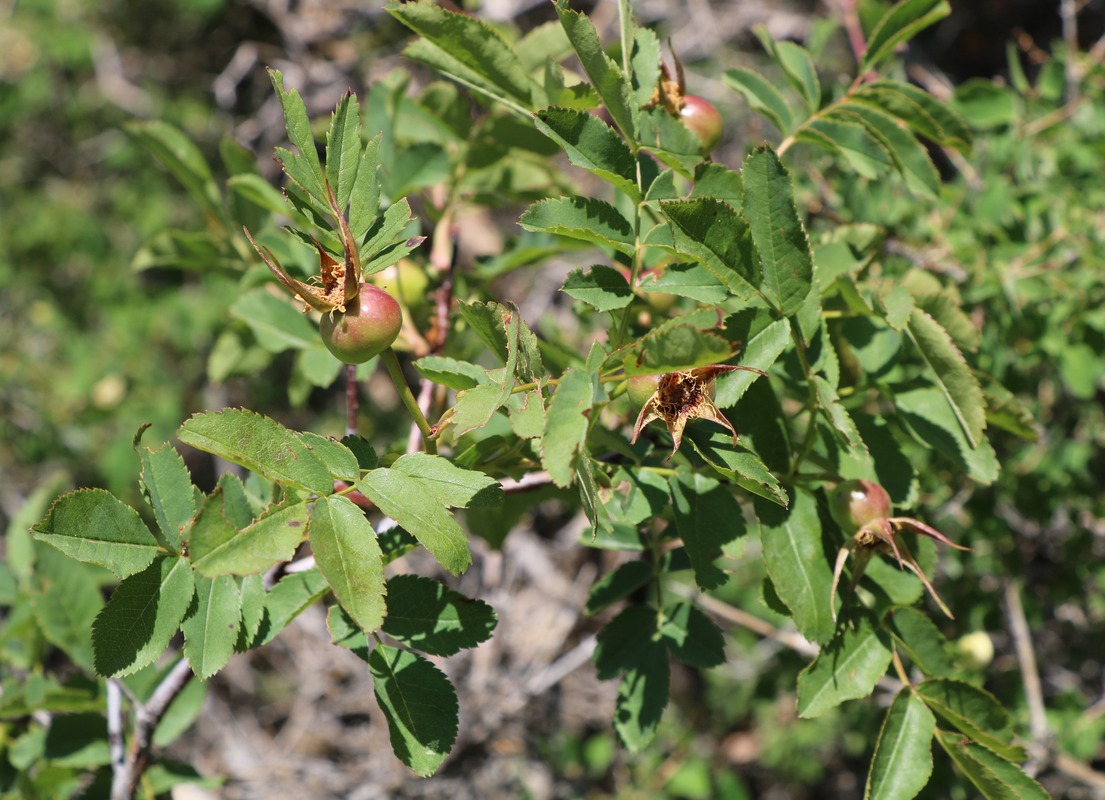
[(66, 599), (142, 616), (420, 706), (692, 637), (470, 51), (343, 148), (995, 777), (900, 24), (1005, 411), (167, 487), (260, 444), (584, 218), (428, 616), (707, 517), (929, 418), (844, 134), (592, 145), (797, 65), (617, 585), (623, 641), (903, 756), (922, 640), (955, 379), (777, 231), (271, 538), (183, 159), (92, 525), (645, 64), (924, 114), (349, 557), (946, 309), (986, 104), (974, 712), (259, 192), (211, 630), (606, 76), (487, 321), (602, 288), (451, 485), (406, 500), (795, 559), (847, 668), (909, 157), (761, 96), (275, 321), (642, 697), (566, 426), (715, 233), (457, 375)]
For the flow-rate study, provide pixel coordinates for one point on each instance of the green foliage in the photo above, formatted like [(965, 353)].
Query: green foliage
[(865, 364)]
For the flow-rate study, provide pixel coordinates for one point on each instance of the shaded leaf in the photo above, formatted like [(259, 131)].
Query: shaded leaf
[(995, 777), (143, 614), (428, 616), (847, 668), (795, 559), (602, 287), (903, 756), (592, 145), (420, 705), (707, 517)]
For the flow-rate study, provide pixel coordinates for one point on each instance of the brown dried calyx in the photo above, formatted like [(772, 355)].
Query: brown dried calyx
[(683, 396)]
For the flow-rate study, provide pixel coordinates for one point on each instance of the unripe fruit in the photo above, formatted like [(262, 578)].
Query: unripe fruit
[(975, 650), (640, 388), (854, 503), (703, 120), (368, 326)]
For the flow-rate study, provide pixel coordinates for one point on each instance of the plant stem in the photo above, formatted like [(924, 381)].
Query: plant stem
[(391, 361), (350, 399)]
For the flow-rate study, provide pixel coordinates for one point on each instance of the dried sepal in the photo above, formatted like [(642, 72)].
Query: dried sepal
[(685, 395), (880, 535), (334, 283)]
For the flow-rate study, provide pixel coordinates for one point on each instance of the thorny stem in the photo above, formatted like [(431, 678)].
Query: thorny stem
[(391, 361)]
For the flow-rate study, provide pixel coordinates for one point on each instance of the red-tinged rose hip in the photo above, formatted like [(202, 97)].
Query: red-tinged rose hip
[(703, 120), (854, 503), (641, 388), (368, 326)]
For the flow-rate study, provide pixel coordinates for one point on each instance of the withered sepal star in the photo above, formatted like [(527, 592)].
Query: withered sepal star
[(685, 395)]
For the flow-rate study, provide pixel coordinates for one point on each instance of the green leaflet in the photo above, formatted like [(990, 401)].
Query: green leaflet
[(903, 756), (900, 23), (584, 218), (403, 498), (429, 616), (776, 231), (847, 668), (602, 287), (217, 548), (995, 777), (168, 489), (420, 705), (349, 557), (259, 444), (592, 145), (92, 525), (707, 517), (143, 614), (275, 321), (795, 560), (566, 426), (211, 630)]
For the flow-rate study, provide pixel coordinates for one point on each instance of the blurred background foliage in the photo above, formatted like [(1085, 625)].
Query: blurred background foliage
[(91, 347)]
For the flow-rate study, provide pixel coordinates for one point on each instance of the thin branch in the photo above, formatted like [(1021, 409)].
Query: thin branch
[(115, 741), (350, 399), (1068, 15), (792, 639), (1030, 675), (127, 774)]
